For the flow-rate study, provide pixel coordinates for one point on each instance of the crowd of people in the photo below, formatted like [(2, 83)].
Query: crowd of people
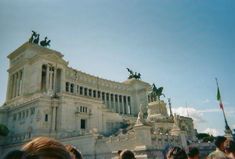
[(47, 148)]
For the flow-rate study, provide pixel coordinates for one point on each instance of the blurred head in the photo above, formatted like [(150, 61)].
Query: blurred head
[(45, 148), (193, 153), (219, 142), (229, 146), (176, 153), (127, 154), (75, 153), (15, 154)]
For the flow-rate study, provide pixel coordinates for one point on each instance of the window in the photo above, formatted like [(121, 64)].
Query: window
[(124, 99), (80, 108), (116, 97), (120, 98), (90, 91), (72, 88), (46, 117), (81, 90), (129, 100), (94, 93), (103, 97), (85, 91), (111, 97), (83, 124), (107, 96), (67, 87)]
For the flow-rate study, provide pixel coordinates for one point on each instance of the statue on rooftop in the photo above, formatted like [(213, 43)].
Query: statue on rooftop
[(36, 39), (45, 42), (33, 36), (133, 75)]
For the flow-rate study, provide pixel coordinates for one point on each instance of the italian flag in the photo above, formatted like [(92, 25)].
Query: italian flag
[(219, 98)]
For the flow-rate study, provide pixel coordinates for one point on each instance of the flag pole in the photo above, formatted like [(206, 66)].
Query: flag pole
[(227, 128)]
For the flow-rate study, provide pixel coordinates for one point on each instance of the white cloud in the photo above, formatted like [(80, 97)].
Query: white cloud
[(197, 115), (211, 131)]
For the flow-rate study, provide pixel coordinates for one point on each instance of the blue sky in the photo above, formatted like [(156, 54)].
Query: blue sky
[(180, 45)]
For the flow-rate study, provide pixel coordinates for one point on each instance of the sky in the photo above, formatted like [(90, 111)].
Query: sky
[(180, 45)]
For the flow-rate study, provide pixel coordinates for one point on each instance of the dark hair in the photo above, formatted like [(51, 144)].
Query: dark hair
[(176, 153), (74, 150), (219, 140), (45, 147), (193, 151), (15, 154), (127, 154), (229, 146)]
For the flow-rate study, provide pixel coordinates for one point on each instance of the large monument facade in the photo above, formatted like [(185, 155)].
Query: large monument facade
[(46, 97)]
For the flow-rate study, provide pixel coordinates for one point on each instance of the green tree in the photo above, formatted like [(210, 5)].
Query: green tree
[(205, 137)]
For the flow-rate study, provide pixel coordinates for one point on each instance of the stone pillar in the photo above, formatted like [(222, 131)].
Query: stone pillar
[(54, 82), (15, 84), (123, 105), (117, 104), (53, 117), (47, 78), (21, 81), (120, 103), (110, 103), (18, 84)]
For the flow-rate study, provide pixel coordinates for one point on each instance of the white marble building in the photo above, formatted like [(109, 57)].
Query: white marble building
[(47, 97)]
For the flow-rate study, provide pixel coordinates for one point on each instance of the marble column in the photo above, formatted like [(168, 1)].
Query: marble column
[(54, 82), (47, 77)]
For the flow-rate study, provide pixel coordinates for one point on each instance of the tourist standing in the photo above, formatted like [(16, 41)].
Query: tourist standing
[(219, 152), (229, 147), (176, 153), (193, 153)]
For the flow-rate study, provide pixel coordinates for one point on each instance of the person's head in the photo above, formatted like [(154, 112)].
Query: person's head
[(75, 153), (45, 148), (193, 153), (127, 154), (229, 147), (15, 154), (219, 142), (176, 153)]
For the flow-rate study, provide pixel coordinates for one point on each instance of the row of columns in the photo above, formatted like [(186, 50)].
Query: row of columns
[(15, 87), (117, 103), (49, 74)]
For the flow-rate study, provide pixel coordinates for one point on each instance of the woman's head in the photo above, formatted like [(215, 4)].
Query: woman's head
[(176, 153), (45, 148), (127, 154), (75, 153)]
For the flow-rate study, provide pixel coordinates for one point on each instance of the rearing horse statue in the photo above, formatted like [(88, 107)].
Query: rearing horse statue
[(156, 92)]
